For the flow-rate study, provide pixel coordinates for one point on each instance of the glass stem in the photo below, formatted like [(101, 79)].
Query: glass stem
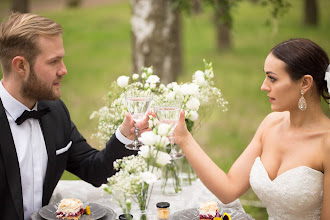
[(171, 137), (136, 131)]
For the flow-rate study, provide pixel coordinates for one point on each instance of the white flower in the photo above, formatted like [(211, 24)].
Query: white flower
[(153, 79), (152, 86), (135, 76), (162, 141), (144, 151), (149, 71), (198, 74), (162, 87), (327, 78), (199, 78), (163, 129), (152, 122), (157, 171), (163, 158), (200, 81), (209, 73), (143, 75), (170, 95), (148, 177), (193, 104), (148, 138), (189, 89), (172, 85), (193, 115), (122, 81)]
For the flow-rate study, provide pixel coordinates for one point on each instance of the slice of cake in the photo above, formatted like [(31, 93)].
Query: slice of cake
[(208, 210), (70, 209)]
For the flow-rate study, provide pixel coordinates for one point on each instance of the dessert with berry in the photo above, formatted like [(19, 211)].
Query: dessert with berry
[(70, 209), (208, 210)]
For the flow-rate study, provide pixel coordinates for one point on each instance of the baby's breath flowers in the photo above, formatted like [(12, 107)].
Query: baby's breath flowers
[(136, 173)]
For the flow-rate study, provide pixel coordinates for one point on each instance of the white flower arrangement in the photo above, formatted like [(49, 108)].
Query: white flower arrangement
[(198, 97), (136, 173)]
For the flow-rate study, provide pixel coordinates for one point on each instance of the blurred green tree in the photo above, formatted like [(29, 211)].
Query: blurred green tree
[(223, 21), (156, 31), (311, 12), (156, 38), (73, 3), (20, 6)]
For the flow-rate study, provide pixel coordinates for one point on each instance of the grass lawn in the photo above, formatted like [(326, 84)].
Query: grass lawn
[(98, 50)]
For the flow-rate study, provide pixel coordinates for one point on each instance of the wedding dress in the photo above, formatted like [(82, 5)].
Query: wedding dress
[(295, 194)]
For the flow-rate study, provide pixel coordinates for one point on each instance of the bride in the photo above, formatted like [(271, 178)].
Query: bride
[(287, 163)]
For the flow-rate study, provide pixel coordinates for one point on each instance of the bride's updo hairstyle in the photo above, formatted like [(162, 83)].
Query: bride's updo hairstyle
[(304, 57)]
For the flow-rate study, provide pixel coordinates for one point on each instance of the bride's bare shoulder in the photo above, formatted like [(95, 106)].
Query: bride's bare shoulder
[(275, 118), (270, 121)]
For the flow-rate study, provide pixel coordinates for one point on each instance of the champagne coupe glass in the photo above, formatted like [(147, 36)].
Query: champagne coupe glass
[(169, 112), (138, 103)]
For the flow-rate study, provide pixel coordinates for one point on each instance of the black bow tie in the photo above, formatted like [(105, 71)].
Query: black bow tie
[(31, 114)]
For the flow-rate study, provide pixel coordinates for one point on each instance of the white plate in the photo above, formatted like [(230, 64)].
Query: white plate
[(193, 214), (97, 211)]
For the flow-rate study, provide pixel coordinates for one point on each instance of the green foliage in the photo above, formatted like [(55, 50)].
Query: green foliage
[(190, 124), (183, 5), (279, 7), (224, 8)]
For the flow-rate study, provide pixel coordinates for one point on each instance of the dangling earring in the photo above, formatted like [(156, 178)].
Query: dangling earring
[(302, 104)]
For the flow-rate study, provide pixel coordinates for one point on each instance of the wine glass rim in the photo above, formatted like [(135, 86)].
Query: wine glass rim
[(139, 96), (129, 94), (164, 105)]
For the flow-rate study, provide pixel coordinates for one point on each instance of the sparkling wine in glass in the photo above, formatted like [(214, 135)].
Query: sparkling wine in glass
[(169, 113), (138, 104)]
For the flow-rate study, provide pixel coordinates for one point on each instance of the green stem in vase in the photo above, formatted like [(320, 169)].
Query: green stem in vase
[(171, 172)]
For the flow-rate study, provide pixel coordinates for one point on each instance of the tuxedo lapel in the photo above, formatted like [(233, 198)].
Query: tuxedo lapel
[(47, 129), (10, 159)]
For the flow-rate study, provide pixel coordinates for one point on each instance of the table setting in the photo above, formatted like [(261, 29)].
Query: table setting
[(182, 206), (156, 177)]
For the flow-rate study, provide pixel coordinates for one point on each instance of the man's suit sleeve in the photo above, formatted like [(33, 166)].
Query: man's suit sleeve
[(90, 164)]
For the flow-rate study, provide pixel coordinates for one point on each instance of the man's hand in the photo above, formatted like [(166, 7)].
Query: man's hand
[(127, 127)]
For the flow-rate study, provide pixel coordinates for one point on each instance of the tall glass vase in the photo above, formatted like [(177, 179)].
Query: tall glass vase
[(171, 183), (187, 174), (143, 215), (143, 201)]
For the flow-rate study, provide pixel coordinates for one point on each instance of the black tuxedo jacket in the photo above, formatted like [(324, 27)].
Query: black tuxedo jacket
[(81, 159)]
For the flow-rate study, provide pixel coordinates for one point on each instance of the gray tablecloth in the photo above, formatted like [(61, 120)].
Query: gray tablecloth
[(190, 197)]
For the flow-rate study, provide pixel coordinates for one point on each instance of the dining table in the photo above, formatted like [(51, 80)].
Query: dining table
[(189, 199)]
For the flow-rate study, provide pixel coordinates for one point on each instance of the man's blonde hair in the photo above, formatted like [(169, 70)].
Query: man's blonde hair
[(18, 37)]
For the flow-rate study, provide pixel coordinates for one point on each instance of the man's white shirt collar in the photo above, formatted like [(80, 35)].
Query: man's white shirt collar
[(13, 107)]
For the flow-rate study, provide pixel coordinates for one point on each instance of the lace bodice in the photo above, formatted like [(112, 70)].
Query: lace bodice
[(295, 194)]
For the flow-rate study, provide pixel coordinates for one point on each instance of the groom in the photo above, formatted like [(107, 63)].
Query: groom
[(38, 145)]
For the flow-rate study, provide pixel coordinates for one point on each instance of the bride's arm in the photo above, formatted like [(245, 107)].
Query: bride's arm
[(325, 213), (227, 187)]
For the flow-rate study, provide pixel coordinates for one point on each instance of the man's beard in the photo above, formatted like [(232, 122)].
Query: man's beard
[(33, 88)]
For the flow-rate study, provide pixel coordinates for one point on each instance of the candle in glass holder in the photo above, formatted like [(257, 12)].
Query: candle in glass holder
[(163, 210)]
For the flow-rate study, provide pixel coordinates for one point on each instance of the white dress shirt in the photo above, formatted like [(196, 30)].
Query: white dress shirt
[(31, 151)]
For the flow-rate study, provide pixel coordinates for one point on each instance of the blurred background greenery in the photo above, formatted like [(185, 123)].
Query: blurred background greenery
[(97, 41)]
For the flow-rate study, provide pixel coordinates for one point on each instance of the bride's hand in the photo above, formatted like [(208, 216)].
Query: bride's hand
[(181, 132)]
